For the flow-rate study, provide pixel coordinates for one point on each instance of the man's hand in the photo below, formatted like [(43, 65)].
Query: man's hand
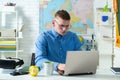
[(61, 68)]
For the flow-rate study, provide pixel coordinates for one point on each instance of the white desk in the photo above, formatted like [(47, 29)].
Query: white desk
[(104, 74)]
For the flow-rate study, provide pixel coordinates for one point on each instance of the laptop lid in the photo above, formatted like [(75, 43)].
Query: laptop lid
[(80, 62)]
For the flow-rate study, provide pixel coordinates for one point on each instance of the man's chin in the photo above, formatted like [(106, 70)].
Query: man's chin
[(63, 33)]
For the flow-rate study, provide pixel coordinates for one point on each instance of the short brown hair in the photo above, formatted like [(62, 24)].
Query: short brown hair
[(63, 14)]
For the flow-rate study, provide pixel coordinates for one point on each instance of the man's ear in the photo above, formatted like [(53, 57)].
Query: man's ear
[(53, 22)]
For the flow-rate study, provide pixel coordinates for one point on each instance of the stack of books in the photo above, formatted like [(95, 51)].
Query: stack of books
[(8, 45)]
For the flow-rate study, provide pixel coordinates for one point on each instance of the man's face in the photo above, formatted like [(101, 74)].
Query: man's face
[(61, 26)]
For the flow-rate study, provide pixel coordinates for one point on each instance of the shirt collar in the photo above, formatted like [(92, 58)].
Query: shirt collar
[(56, 34)]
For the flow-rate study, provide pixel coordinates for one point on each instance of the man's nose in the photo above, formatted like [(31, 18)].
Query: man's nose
[(64, 28)]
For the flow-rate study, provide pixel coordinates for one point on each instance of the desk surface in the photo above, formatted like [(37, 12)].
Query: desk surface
[(102, 74)]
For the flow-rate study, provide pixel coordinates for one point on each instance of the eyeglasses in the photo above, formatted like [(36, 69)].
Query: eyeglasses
[(62, 26)]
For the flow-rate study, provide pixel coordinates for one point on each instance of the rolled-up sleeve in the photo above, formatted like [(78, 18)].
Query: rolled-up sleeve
[(41, 54)]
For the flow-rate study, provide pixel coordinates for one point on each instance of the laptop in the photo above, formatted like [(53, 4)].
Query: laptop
[(81, 62)]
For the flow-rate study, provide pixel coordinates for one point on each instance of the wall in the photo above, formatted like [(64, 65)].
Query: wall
[(28, 10)]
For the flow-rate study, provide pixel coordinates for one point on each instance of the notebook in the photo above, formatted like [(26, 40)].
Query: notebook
[(115, 70), (81, 62)]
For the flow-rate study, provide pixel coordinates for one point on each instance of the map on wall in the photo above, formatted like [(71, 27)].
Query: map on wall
[(81, 12)]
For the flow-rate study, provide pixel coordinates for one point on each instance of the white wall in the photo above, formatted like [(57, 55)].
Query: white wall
[(29, 11)]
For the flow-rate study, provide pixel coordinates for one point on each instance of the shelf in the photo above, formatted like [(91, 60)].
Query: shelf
[(11, 37), (20, 50), (7, 51), (9, 31), (104, 18), (107, 38), (7, 37), (4, 51), (101, 10), (8, 9)]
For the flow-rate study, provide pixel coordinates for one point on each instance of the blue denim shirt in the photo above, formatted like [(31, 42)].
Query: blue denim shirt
[(50, 46)]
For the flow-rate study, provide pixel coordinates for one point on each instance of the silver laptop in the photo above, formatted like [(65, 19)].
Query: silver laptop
[(81, 62)]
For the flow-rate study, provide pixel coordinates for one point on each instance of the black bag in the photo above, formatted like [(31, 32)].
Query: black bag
[(11, 63)]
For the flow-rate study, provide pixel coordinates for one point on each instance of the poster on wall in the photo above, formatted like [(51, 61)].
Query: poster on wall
[(81, 12)]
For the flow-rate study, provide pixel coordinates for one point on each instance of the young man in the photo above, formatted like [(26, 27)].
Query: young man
[(53, 45)]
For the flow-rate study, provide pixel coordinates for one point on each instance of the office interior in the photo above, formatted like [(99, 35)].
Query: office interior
[(104, 33)]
